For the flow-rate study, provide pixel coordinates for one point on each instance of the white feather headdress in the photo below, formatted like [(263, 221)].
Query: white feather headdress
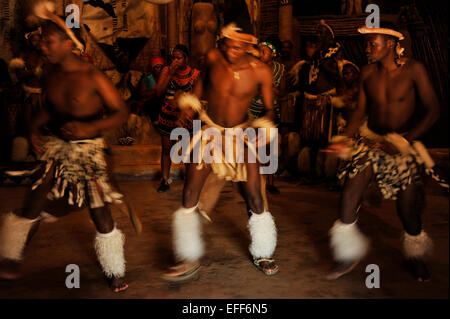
[(45, 10)]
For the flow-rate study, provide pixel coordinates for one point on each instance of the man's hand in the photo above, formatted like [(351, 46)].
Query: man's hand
[(79, 130), (337, 149), (36, 143), (173, 67)]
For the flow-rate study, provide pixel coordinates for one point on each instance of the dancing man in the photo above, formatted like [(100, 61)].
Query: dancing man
[(385, 146), (228, 84), (80, 103)]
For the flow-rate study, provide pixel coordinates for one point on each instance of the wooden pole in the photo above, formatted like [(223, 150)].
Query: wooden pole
[(285, 20), (172, 37)]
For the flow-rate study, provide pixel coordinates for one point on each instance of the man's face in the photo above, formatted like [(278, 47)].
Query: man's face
[(265, 54), (286, 50), (349, 74), (377, 47), (179, 59), (55, 47), (35, 41), (234, 50)]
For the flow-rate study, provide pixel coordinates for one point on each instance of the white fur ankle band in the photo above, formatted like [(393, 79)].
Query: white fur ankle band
[(347, 242), (14, 231), (263, 233), (110, 253), (417, 246), (186, 231)]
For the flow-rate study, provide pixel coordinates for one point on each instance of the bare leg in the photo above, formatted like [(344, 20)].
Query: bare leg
[(37, 200), (349, 245), (166, 162), (410, 205), (416, 244), (25, 220), (109, 248), (271, 188), (352, 195), (186, 227), (195, 179), (210, 193)]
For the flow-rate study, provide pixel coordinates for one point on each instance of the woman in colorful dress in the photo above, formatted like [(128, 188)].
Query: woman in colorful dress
[(175, 79)]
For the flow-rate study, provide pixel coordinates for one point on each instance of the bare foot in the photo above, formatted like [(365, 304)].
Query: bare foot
[(266, 265), (9, 269), (419, 270), (342, 269), (182, 272), (118, 284)]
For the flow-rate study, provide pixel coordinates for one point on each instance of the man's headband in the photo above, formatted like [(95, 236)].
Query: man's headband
[(343, 63), (231, 32), (38, 31), (346, 62), (398, 49), (366, 30), (323, 23), (270, 46), (45, 9)]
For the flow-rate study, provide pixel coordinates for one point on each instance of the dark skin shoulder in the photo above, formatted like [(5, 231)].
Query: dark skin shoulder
[(77, 98), (391, 99), (229, 88)]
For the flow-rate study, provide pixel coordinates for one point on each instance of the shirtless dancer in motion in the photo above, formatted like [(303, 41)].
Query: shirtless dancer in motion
[(229, 82), (80, 103), (385, 147)]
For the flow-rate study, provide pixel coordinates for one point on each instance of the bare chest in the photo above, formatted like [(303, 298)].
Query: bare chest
[(238, 83), (73, 94), (387, 89)]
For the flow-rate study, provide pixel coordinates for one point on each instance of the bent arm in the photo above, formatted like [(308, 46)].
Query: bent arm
[(163, 82), (39, 120), (267, 92), (117, 111), (145, 93), (359, 113), (429, 100)]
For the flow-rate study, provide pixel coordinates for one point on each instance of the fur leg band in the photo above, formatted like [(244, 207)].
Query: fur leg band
[(263, 233), (187, 239), (347, 242), (13, 235), (110, 254), (417, 246)]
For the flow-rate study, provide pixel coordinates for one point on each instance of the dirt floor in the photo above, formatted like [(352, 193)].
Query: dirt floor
[(303, 216)]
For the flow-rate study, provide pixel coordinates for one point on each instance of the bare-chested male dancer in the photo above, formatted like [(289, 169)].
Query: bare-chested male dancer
[(228, 84), (381, 142), (80, 103)]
